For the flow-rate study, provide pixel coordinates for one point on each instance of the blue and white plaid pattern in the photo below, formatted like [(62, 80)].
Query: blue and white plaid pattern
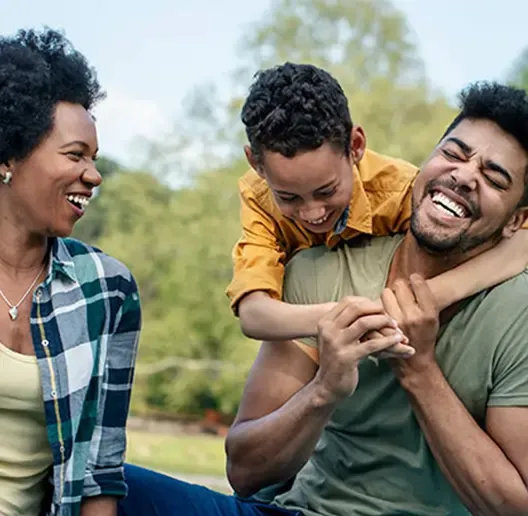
[(85, 324)]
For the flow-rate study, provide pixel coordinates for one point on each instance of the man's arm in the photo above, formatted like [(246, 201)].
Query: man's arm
[(287, 400), (272, 421), (488, 470)]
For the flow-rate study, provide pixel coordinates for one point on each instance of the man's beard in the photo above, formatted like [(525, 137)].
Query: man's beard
[(458, 243)]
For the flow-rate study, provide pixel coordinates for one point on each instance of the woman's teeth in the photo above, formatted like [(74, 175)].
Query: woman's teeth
[(78, 200)]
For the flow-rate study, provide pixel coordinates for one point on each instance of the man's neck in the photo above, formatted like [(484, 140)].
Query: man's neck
[(410, 258)]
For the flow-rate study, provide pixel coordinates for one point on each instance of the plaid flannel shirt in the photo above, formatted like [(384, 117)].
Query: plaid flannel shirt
[(85, 324)]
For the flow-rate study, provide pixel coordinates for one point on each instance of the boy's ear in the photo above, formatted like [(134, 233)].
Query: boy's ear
[(252, 161), (358, 143)]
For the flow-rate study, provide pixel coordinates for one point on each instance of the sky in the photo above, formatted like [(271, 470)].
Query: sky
[(150, 55)]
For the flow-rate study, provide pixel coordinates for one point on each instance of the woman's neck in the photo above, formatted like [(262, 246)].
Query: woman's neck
[(20, 251)]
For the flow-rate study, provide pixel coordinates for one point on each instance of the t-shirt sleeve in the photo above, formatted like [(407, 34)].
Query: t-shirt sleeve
[(510, 370)]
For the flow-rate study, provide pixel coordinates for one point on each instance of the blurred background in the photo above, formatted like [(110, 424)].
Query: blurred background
[(176, 73)]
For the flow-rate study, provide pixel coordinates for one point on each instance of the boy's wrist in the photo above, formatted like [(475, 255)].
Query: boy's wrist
[(313, 314)]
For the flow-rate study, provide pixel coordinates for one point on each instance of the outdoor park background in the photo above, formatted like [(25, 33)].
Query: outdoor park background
[(171, 145)]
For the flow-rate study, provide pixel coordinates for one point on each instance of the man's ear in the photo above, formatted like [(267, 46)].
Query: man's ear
[(252, 161), (516, 222), (358, 143)]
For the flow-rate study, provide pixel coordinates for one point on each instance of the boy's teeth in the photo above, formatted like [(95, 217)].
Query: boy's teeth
[(319, 221)]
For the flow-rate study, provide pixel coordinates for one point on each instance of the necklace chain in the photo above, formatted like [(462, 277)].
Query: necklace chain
[(13, 309)]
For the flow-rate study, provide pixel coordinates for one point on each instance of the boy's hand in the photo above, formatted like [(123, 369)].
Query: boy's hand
[(343, 344)]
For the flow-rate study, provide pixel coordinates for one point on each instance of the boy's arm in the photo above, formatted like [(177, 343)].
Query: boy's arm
[(265, 318), (507, 259), (259, 258)]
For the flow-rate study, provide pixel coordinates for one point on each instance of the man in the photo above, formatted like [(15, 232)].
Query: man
[(442, 432)]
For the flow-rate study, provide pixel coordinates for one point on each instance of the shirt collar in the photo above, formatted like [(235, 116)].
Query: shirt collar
[(341, 223), (358, 215), (61, 261)]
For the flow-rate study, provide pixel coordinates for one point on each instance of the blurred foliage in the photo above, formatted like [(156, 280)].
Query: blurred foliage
[(178, 241), (519, 71)]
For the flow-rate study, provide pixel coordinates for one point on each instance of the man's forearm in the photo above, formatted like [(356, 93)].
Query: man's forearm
[(274, 448), (99, 506), (264, 318), (486, 481)]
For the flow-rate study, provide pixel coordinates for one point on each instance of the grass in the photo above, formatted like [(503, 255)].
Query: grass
[(189, 454)]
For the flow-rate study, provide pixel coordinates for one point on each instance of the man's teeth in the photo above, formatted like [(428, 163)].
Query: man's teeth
[(319, 221), (79, 200), (448, 205)]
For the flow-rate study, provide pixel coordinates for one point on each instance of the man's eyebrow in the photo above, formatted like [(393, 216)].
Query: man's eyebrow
[(492, 165), (489, 164), (464, 147)]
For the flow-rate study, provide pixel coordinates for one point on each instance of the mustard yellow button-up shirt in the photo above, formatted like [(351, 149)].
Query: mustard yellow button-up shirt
[(380, 205)]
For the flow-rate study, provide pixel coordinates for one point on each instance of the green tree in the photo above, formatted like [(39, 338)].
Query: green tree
[(178, 242), (519, 72), (369, 48)]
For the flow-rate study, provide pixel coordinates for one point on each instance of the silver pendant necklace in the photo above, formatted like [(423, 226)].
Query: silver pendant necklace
[(13, 309)]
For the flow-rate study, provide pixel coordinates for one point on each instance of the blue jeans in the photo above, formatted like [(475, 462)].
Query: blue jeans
[(153, 494)]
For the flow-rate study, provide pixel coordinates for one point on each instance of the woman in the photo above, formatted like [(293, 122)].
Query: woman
[(69, 314)]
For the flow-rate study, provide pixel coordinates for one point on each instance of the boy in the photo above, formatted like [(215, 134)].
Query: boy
[(314, 182)]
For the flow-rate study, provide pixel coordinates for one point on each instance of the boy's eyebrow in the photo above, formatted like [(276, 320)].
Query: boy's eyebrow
[(326, 186), (323, 187)]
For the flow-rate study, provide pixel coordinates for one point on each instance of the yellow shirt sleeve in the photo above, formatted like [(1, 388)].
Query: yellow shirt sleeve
[(258, 256), (381, 205)]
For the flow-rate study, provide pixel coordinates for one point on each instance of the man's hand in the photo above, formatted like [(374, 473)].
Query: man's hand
[(413, 306), (342, 344)]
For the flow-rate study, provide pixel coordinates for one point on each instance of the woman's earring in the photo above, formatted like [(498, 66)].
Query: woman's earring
[(7, 178)]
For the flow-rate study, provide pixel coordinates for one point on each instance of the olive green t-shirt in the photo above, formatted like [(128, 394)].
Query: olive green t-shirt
[(372, 458)]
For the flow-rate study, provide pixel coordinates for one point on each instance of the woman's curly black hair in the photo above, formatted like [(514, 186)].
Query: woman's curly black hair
[(39, 69), (296, 107)]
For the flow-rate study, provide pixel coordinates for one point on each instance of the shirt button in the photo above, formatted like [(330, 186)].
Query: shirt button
[(61, 449), (38, 293), (45, 343), (53, 394)]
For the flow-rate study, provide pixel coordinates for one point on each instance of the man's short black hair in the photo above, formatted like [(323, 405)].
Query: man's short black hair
[(506, 106), (296, 107), (39, 69)]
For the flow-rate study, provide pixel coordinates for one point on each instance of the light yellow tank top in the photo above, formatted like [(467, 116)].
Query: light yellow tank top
[(25, 453)]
